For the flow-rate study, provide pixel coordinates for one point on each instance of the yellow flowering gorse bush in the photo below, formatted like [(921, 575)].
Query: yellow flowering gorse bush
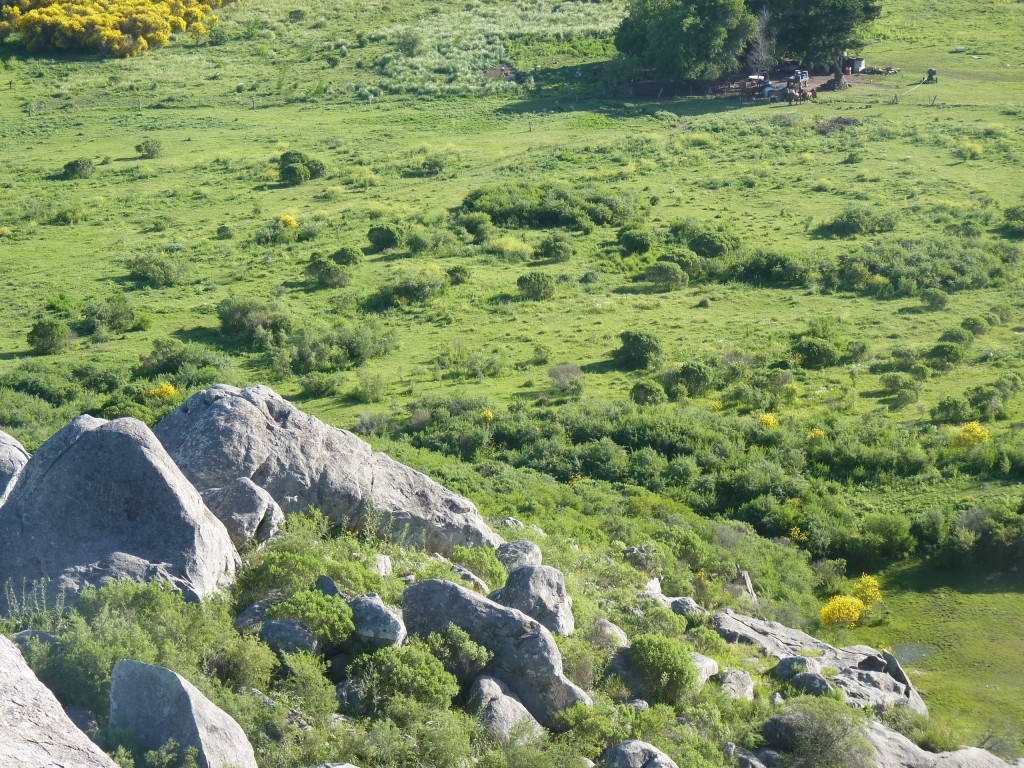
[(289, 222), (108, 27), (842, 611), (970, 435), (769, 420), (163, 391)]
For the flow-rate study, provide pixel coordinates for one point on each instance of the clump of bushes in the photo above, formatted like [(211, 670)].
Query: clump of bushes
[(78, 169), (325, 272), (861, 220), (707, 240), (547, 204), (384, 237), (49, 336), (149, 148), (158, 270), (295, 168), (536, 286), (640, 349)]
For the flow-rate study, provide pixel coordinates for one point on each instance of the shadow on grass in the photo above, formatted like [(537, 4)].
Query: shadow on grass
[(967, 578), (211, 337), (602, 366)]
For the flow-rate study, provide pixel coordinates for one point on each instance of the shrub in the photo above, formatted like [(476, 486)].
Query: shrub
[(666, 273), (957, 336), (307, 688), (460, 655), (385, 237), (862, 220), (224, 232), (149, 148), (478, 225), (325, 272), (49, 336), (709, 241), (483, 562), (640, 349), (556, 246), (328, 617), (458, 274), (947, 352), (409, 670), (694, 377), (319, 384), (189, 364), (635, 238), (842, 611), (295, 174), (347, 256), (648, 392), (970, 435), (536, 286), (412, 288), (1013, 220), (78, 169), (565, 376), (158, 270), (817, 352), (821, 732), (867, 591), (547, 204), (665, 666), (976, 326), (509, 247), (934, 299)]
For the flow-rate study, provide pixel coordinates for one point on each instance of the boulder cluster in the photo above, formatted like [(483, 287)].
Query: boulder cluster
[(114, 500)]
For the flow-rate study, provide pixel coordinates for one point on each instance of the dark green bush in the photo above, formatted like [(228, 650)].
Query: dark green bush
[(710, 241), (347, 256), (385, 236), (665, 666), (326, 272), (667, 274), (862, 220), (78, 169), (934, 299), (822, 733), (328, 617), (158, 270), (960, 336), (412, 288), (696, 378), (947, 352), (295, 174), (478, 225), (640, 349), (536, 286), (319, 384), (549, 205), (1013, 220), (410, 671), (149, 148), (458, 274), (648, 392), (635, 238), (49, 336), (457, 652), (975, 325), (555, 246)]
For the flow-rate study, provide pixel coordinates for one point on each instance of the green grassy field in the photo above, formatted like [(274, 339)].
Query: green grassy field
[(372, 89)]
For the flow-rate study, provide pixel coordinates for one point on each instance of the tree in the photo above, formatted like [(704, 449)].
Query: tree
[(686, 39), (760, 56), (640, 349), (819, 31)]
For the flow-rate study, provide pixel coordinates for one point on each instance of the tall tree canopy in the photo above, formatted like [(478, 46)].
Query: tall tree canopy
[(686, 39), (818, 31)]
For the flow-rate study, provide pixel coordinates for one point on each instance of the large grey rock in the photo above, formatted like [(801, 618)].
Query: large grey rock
[(13, 457), (247, 511), (539, 592), (706, 666), (103, 500), (34, 730), (893, 750), (608, 635), (737, 684), (516, 554), (866, 677), (376, 624), (635, 754), (743, 758), (811, 683), (686, 606), (500, 711), (224, 433), (155, 705), (288, 636), (525, 654)]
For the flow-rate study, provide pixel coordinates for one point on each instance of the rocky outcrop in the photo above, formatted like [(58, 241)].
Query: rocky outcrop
[(866, 677), (706, 666), (683, 606), (103, 500), (609, 635), (525, 654), (499, 710), (247, 511), (893, 750), (34, 730), (288, 636), (539, 592), (224, 433), (737, 684), (155, 705), (635, 754), (13, 457), (376, 624), (516, 554)]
